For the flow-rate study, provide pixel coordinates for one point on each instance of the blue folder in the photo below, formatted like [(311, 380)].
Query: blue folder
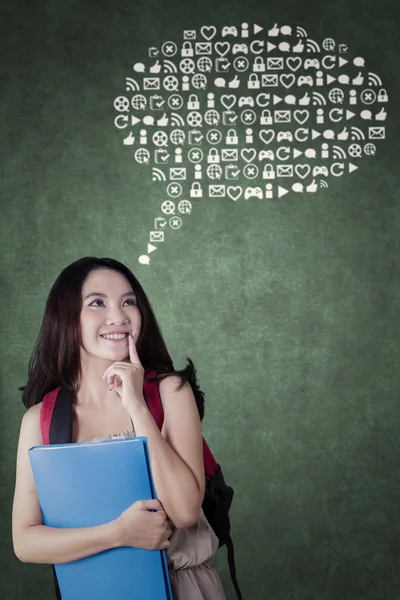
[(87, 484)]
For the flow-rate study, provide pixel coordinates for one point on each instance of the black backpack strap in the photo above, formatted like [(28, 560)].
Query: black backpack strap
[(61, 420), (61, 433), (232, 565)]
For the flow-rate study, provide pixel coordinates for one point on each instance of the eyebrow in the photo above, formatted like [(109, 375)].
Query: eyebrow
[(105, 295)]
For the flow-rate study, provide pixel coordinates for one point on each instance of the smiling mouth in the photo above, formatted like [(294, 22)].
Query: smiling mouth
[(116, 337)]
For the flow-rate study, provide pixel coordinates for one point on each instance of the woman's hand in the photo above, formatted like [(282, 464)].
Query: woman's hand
[(126, 378), (141, 528)]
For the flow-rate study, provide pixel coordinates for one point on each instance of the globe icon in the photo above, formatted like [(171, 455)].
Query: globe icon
[(142, 156), (178, 137), (139, 102), (205, 64)]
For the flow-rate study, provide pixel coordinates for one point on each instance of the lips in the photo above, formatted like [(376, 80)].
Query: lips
[(116, 339)]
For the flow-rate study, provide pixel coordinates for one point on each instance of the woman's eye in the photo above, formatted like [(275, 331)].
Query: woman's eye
[(130, 300)]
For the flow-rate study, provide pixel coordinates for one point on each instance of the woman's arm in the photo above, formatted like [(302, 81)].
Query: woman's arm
[(37, 543), (176, 454)]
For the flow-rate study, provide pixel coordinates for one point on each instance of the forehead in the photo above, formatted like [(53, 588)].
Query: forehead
[(101, 280)]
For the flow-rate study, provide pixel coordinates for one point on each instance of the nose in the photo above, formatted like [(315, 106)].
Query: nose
[(116, 316)]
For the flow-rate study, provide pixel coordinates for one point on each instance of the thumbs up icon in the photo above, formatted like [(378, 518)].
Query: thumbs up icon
[(156, 68), (312, 187), (274, 31), (381, 116)]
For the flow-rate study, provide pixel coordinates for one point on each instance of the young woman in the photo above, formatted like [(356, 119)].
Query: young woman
[(98, 337)]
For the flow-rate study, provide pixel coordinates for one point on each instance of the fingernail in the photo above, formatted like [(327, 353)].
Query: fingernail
[(132, 336)]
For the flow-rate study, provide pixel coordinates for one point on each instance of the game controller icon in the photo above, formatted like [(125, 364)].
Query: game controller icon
[(305, 80), (266, 154), (240, 48), (255, 192), (311, 62), (246, 101), (229, 31), (320, 171), (285, 135)]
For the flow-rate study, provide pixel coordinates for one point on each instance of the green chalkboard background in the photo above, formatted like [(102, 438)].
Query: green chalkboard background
[(289, 309)]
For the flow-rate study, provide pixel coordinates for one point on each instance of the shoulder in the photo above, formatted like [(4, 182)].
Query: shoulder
[(32, 415), (169, 384), (30, 425)]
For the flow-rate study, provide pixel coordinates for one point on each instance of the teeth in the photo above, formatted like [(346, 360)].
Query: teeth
[(115, 336)]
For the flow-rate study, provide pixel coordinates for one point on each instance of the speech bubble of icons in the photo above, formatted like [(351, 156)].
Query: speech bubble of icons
[(246, 113)]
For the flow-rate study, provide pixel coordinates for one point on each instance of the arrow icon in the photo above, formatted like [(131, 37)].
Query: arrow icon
[(282, 191), (257, 29)]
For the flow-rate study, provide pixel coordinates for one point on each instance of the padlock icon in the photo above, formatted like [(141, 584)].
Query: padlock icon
[(196, 191), (187, 49), (231, 138), (259, 65), (382, 95), (266, 117), (253, 82), (193, 102), (213, 156), (268, 172)]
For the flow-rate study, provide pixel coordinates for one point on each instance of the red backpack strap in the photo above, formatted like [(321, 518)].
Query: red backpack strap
[(152, 396), (46, 413)]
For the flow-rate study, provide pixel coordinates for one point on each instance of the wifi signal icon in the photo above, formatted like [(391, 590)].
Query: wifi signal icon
[(323, 183), (158, 175), (132, 85), (318, 99), (177, 120), (312, 46), (300, 32), (169, 67), (374, 79), (338, 152), (357, 134)]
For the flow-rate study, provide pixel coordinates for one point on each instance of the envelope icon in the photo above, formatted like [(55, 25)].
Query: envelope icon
[(203, 48), (177, 173), (156, 236), (274, 64), (151, 83), (229, 155), (216, 191), (189, 34), (282, 116), (376, 133), (284, 170), (269, 80)]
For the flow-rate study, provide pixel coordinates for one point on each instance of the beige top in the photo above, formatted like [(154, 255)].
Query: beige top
[(192, 575)]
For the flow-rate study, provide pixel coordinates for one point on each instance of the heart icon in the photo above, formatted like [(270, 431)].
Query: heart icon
[(234, 192), (228, 100), (302, 171), (267, 135), (294, 63), (288, 80), (301, 116), (248, 154), (222, 48), (208, 32)]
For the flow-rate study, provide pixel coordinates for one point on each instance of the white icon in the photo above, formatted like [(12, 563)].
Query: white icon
[(158, 174), (175, 102), (169, 49), (214, 136), (156, 68), (139, 67), (156, 236), (160, 138), (241, 64), (195, 155), (168, 208), (234, 83), (229, 31), (187, 65), (171, 83), (208, 32), (187, 49), (194, 119), (196, 190), (243, 48), (189, 34), (203, 48), (174, 190), (121, 104), (129, 140)]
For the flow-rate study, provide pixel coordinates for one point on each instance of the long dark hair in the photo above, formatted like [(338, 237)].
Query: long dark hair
[(55, 360)]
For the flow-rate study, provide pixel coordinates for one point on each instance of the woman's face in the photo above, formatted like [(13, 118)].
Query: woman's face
[(108, 306)]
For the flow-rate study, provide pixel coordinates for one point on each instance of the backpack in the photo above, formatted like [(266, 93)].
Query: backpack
[(56, 428)]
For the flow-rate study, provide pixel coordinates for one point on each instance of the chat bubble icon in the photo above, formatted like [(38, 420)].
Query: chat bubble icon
[(359, 62), (344, 79), (329, 134), (148, 120), (284, 47), (366, 115), (139, 67), (290, 99), (144, 259), (310, 153), (220, 82), (298, 187)]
